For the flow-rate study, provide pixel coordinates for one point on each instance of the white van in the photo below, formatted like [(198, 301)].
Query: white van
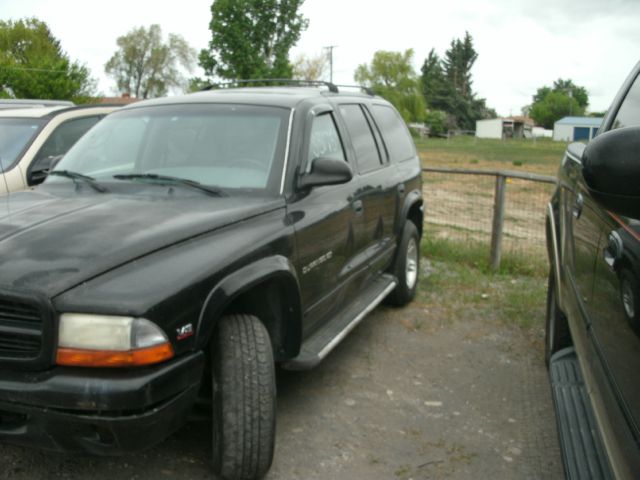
[(32, 138)]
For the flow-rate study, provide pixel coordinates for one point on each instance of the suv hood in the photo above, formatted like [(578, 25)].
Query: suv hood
[(49, 244)]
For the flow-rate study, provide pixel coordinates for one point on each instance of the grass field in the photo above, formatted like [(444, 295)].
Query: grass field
[(540, 156), (458, 225)]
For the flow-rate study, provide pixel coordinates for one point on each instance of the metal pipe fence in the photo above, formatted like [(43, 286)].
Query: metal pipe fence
[(502, 209)]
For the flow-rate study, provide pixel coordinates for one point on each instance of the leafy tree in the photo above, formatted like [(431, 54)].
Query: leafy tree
[(564, 86), (310, 68), (146, 66), (437, 121), (252, 38), (391, 75), (33, 65), (564, 98), (446, 84), (553, 107)]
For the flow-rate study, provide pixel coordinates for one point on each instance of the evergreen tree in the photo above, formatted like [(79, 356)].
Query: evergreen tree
[(447, 85)]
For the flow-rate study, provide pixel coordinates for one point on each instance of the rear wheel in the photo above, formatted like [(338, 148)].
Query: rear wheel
[(406, 267), (244, 398), (557, 335)]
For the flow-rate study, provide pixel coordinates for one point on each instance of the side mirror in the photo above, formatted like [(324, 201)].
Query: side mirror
[(326, 171), (611, 169), (39, 169)]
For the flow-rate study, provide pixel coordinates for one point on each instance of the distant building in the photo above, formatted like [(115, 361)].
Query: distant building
[(542, 132), (574, 129), (125, 99), (512, 127)]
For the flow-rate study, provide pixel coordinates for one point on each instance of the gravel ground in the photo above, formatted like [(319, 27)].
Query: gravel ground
[(408, 395)]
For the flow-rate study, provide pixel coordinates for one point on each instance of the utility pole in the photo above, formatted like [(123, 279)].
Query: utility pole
[(330, 49), (570, 93)]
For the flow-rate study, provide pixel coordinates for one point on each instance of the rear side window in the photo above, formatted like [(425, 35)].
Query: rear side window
[(394, 132), (629, 112), (367, 154), (324, 140)]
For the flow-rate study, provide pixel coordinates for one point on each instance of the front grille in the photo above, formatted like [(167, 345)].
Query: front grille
[(22, 326)]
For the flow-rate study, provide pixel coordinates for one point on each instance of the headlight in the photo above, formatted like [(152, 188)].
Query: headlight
[(108, 341)]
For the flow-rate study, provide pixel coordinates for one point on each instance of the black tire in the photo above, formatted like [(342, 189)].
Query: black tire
[(244, 398), (405, 291), (556, 332)]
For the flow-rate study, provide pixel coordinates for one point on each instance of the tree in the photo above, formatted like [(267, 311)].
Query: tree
[(391, 75), (447, 84), (146, 66), (564, 98), (553, 107), (310, 68), (252, 38), (458, 61), (564, 86), (437, 121), (33, 65), (436, 89)]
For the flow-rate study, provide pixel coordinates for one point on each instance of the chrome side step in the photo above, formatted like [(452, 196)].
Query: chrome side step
[(318, 346)]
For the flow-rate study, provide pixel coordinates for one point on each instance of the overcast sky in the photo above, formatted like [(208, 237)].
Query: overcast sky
[(522, 45)]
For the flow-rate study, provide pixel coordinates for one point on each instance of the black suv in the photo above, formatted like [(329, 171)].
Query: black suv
[(185, 246), (593, 303)]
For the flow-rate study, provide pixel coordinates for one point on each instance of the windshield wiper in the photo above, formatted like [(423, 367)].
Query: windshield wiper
[(79, 176), (168, 178)]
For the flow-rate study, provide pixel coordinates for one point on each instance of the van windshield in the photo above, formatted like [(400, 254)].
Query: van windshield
[(15, 136)]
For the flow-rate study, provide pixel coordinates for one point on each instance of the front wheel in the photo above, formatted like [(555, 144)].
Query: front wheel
[(406, 267), (244, 398)]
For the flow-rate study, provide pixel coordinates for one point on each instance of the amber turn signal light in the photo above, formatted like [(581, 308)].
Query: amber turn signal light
[(110, 358)]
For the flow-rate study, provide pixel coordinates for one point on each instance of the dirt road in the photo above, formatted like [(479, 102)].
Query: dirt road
[(410, 394)]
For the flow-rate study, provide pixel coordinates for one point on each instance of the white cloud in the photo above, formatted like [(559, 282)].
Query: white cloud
[(521, 45)]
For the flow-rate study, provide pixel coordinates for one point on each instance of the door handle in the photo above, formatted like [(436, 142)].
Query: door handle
[(358, 207), (577, 206), (613, 251)]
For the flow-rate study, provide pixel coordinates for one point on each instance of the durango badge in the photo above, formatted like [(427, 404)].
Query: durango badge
[(318, 261)]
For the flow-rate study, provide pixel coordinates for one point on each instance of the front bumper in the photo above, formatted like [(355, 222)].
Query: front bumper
[(103, 412)]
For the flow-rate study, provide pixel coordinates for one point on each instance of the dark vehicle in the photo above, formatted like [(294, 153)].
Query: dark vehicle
[(182, 248), (593, 303)]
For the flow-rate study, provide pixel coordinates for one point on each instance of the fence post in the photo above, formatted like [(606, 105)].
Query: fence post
[(498, 221)]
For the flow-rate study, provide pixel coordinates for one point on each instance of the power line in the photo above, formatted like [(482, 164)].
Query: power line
[(28, 69)]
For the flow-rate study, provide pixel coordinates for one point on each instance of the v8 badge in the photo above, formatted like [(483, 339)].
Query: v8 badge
[(184, 331)]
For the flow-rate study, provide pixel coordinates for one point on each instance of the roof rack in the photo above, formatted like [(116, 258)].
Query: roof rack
[(287, 81), (281, 81), (366, 90), (13, 103)]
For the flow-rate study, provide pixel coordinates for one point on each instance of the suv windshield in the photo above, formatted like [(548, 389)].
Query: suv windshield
[(226, 146), (15, 136)]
